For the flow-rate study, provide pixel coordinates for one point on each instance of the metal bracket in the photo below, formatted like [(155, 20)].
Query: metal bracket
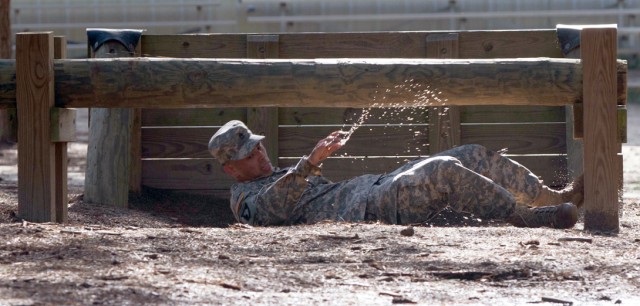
[(127, 37)]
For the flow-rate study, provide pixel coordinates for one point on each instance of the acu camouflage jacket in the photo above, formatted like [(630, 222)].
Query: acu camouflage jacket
[(300, 194)]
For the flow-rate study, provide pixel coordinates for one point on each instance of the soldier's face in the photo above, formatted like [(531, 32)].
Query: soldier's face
[(255, 165)]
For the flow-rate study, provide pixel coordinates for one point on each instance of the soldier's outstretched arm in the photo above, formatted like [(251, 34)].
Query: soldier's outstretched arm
[(325, 147)]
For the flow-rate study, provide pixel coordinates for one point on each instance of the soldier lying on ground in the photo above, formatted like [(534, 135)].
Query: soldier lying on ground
[(468, 178)]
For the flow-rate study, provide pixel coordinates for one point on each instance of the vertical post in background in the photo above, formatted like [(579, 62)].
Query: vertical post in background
[(264, 120), (35, 98), (444, 121), (601, 145), (62, 200)]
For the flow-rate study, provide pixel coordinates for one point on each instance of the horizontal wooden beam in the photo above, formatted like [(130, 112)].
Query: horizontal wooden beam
[(170, 83), (166, 83)]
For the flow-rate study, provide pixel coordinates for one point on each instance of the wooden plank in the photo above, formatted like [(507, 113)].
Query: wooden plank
[(192, 116), (366, 141), (350, 116), (264, 120), (36, 156), (195, 45), (518, 138), (200, 175), (511, 114), (598, 52), (476, 44), (190, 142), (444, 121), (294, 141), (184, 174), (166, 83), (176, 142)]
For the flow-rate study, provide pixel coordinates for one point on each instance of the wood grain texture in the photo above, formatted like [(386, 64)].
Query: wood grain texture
[(205, 175), (107, 177), (192, 116), (184, 174), (511, 114), (350, 116), (165, 83), (444, 121), (476, 44), (294, 141), (522, 138), (264, 120), (36, 155), (191, 142), (601, 165), (8, 94)]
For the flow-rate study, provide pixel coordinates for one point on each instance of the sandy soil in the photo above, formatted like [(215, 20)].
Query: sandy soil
[(177, 249)]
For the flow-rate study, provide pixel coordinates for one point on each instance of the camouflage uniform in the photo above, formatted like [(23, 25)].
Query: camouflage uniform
[(468, 178)]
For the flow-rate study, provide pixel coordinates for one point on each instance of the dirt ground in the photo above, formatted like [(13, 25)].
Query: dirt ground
[(184, 250)]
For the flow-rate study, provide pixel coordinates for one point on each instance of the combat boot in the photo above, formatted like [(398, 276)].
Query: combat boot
[(557, 216), (573, 193)]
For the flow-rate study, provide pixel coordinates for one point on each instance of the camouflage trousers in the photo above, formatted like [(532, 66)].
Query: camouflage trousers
[(468, 178)]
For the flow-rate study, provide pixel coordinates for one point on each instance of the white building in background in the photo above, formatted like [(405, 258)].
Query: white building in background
[(71, 17)]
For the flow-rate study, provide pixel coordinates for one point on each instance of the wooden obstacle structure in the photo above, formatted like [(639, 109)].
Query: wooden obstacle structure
[(502, 89)]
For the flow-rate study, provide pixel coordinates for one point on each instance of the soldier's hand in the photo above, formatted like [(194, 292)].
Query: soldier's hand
[(325, 147)]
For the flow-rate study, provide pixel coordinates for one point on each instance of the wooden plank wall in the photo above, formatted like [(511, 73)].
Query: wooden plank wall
[(174, 141)]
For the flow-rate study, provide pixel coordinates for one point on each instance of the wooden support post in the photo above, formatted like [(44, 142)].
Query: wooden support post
[(444, 121), (113, 154), (264, 120), (36, 155), (601, 147), (58, 128)]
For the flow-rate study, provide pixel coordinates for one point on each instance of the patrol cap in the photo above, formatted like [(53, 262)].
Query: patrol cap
[(233, 141)]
